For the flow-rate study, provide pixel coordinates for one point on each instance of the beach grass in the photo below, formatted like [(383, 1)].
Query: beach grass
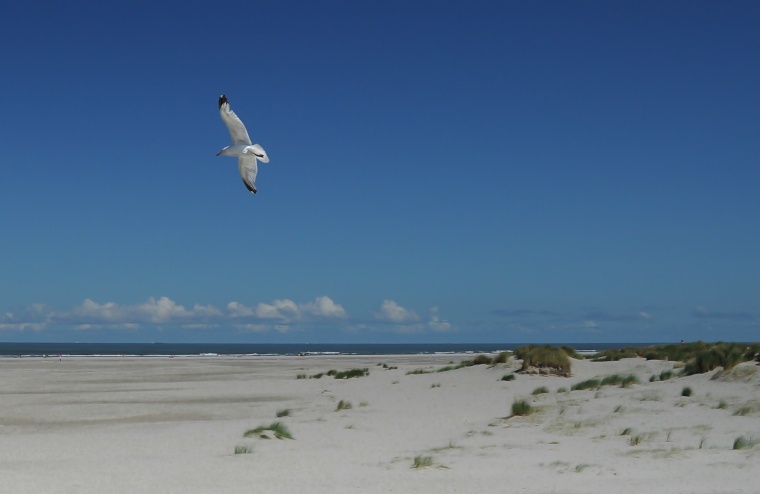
[(344, 405), (242, 449), (421, 461), (283, 412), (686, 391), (742, 411), (540, 390), (521, 408), (348, 374), (612, 380), (278, 429), (587, 384), (698, 357), (544, 357), (742, 442), (501, 358)]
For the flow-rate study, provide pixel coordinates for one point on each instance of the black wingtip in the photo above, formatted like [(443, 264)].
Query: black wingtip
[(222, 100), (252, 189)]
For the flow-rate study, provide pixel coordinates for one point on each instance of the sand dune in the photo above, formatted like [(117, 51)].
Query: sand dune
[(126, 425)]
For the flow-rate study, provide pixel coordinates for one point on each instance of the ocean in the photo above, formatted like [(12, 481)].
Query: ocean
[(10, 350)]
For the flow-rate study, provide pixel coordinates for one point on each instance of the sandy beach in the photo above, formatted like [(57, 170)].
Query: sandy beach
[(177, 425)]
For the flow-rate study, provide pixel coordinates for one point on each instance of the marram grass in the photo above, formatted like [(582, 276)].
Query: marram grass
[(521, 408), (278, 429)]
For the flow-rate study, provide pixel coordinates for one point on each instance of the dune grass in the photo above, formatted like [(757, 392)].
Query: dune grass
[(422, 461), (742, 411), (348, 374), (242, 450), (508, 377), (686, 391), (587, 384), (278, 429), (283, 412), (521, 408), (540, 390), (418, 371), (613, 380), (699, 357), (344, 405), (742, 443), (544, 357), (501, 358)]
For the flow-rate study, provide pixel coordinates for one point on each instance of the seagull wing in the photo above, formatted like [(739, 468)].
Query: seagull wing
[(234, 124), (261, 155), (248, 169)]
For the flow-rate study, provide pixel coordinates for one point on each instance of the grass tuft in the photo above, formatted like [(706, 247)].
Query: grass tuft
[(422, 461), (544, 357), (540, 390), (521, 408), (501, 358), (349, 373), (698, 357), (742, 443), (242, 450), (743, 411), (418, 371), (278, 429), (283, 412), (686, 391), (344, 405), (587, 384)]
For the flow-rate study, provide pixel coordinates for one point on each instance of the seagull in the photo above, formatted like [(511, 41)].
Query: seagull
[(241, 147)]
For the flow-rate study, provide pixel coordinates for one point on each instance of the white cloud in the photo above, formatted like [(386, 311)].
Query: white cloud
[(285, 309), (162, 310), (324, 307), (436, 323), (280, 315), (392, 312), (236, 309), (94, 311)]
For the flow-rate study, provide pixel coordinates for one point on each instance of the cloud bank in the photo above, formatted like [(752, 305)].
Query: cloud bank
[(280, 315)]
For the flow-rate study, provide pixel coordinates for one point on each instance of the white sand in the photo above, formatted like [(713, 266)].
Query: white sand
[(161, 425)]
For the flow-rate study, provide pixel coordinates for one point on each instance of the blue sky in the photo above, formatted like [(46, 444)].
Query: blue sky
[(440, 171)]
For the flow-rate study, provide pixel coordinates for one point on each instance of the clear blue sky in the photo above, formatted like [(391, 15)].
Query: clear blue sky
[(440, 171)]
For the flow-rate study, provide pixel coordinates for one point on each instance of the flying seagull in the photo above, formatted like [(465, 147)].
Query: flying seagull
[(241, 147)]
